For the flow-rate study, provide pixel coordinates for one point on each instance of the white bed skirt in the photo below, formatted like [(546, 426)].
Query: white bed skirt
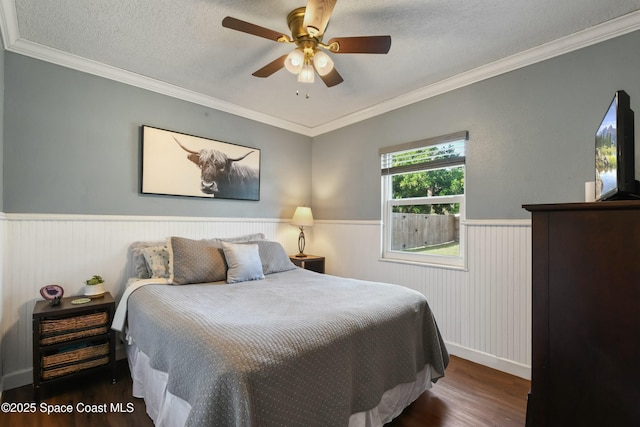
[(168, 410)]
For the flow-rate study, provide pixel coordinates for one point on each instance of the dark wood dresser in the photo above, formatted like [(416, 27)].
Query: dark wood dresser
[(585, 314)]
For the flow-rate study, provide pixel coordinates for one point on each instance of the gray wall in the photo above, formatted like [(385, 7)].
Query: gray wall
[(531, 136), (72, 143), (2, 53)]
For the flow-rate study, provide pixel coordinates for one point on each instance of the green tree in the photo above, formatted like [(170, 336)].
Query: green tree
[(435, 182)]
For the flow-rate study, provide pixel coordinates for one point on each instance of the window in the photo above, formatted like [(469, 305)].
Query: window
[(423, 200)]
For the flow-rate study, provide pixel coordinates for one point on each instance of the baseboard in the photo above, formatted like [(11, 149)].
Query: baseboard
[(490, 360), (17, 379), (121, 351)]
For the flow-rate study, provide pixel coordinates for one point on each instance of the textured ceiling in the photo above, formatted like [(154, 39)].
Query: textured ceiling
[(181, 48)]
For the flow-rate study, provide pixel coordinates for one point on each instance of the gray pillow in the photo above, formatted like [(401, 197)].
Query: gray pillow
[(273, 257), (196, 261), (240, 239), (243, 261)]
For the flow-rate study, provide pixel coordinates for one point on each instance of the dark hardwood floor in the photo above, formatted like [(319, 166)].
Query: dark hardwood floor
[(469, 395)]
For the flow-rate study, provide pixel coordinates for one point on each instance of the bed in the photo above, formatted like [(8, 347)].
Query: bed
[(269, 343)]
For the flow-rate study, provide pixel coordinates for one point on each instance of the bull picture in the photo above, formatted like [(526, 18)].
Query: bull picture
[(223, 176), (224, 170)]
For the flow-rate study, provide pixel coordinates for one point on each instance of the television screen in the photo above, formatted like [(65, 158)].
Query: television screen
[(615, 152), (606, 153)]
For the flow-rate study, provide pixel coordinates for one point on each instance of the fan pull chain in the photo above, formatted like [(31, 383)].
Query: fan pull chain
[(307, 96)]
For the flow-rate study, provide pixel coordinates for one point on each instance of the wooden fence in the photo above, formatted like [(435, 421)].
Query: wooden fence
[(411, 231)]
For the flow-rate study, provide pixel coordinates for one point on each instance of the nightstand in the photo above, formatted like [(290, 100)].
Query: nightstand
[(310, 262), (72, 339)]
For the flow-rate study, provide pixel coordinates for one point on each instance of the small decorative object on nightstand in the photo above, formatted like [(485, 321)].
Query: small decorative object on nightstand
[(309, 262), (52, 293), (70, 339), (94, 287)]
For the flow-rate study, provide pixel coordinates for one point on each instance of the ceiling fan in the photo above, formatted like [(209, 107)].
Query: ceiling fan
[(307, 25)]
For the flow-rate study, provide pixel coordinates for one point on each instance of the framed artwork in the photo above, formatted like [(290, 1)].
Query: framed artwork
[(178, 164)]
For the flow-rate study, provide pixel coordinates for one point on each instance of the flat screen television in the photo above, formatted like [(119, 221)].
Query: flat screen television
[(615, 152)]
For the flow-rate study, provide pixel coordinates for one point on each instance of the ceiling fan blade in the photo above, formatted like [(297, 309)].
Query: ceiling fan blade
[(271, 67), (317, 15), (256, 30), (332, 78), (365, 44)]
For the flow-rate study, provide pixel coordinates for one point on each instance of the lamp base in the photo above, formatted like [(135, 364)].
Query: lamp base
[(301, 244)]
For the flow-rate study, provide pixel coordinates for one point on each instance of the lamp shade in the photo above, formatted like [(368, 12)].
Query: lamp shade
[(322, 63), (307, 74), (294, 61), (302, 217)]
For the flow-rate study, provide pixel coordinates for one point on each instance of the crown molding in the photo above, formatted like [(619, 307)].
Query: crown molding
[(65, 59), (599, 33), (594, 35), (13, 43), (8, 22)]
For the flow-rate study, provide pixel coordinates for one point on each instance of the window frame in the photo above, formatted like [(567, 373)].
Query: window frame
[(388, 203)]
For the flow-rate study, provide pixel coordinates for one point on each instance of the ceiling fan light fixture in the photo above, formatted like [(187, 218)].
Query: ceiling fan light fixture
[(307, 74), (308, 25), (322, 63), (294, 61)]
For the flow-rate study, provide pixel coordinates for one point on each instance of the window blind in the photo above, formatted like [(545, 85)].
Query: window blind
[(433, 153)]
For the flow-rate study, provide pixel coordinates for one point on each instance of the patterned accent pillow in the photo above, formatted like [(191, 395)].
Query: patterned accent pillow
[(136, 253), (196, 261), (273, 257), (243, 261), (157, 258)]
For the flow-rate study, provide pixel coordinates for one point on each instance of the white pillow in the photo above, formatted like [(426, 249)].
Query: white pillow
[(243, 261)]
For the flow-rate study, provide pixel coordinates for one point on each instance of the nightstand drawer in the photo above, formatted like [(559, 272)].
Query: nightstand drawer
[(58, 330), (310, 262), (64, 361)]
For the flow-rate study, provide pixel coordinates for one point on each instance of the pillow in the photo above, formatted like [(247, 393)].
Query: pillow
[(196, 261), (136, 249), (157, 258), (240, 239), (243, 261), (273, 257)]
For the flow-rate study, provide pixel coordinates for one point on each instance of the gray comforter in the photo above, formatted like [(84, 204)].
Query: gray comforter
[(295, 349)]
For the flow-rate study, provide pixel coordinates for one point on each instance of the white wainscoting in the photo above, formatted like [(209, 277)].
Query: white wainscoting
[(3, 233), (68, 249), (484, 312)]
